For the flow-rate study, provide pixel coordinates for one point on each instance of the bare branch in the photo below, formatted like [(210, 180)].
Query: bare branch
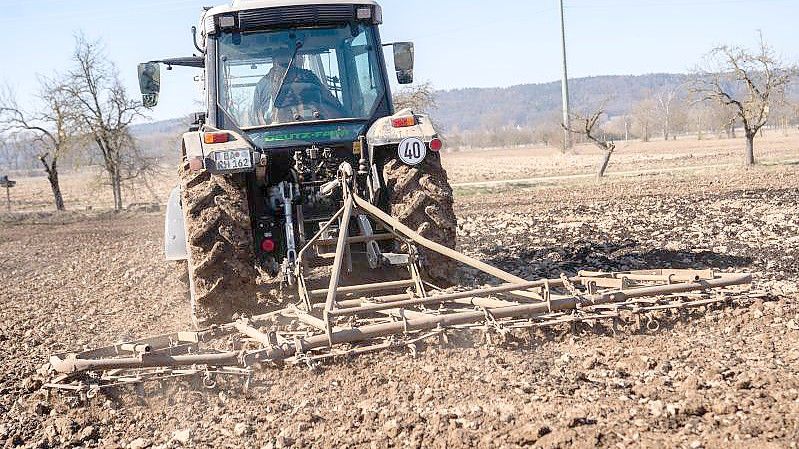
[(104, 113), (586, 124), (419, 98), (49, 127), (750, 82)]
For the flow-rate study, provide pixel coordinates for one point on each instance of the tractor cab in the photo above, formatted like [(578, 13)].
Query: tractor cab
[(292, 73)]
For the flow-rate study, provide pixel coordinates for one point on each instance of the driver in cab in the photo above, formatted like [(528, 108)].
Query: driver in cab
[(289, 93)]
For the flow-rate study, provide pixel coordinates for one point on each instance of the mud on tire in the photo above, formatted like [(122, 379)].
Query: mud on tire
[(421, 198), (220, 243)]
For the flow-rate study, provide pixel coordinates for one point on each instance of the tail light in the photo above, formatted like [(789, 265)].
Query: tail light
[(216, 137), (267, 245), (403, 122), (436, 144)]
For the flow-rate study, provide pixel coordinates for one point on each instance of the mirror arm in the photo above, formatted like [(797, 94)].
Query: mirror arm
[(190, 61), (194, 39)]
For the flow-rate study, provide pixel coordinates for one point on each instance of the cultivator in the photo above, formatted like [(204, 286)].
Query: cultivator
[(343, 320)]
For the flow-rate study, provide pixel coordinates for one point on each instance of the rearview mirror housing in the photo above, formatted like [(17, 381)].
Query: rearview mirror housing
[(149, 83), (403, 61)]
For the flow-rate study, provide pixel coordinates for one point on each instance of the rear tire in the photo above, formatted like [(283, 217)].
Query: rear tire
[(421, 198), (221, 265)]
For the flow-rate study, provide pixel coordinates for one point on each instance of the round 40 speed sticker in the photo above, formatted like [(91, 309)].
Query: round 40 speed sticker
[(412, 151)]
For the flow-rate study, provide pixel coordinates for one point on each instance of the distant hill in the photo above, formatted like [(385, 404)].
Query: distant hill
[(528, 105), (170, 126), (161, 139), (528, 108)]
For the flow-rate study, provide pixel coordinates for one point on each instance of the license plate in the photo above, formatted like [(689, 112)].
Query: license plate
[(233, 160)]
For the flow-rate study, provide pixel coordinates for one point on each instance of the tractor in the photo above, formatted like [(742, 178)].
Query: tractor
[(313, 222), (296, 91)]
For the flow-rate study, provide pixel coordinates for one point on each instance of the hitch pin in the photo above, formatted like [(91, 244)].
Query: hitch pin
[(135, 347)]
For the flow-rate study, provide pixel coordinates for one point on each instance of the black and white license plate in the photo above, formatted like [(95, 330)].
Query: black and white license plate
[(233, 160)]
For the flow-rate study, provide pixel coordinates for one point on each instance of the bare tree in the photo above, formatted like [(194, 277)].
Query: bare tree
[(780, 116), (721, 119), (20, 152), (419, 98), (699, 116), (644, 114), (793, 116), (617, 127), (48, 128), (627, 119), (550, 130), (9, 159), (105, 113), (671, 110), (747, 82), (586, 124)]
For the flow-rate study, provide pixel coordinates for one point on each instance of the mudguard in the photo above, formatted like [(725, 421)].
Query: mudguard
[(174, 229), (192, 145), (201, 155), (381, 133)]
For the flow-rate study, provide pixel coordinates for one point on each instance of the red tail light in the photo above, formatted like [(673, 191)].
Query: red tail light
[(216, 137), (267, 245), (436, 144), (403, 122)]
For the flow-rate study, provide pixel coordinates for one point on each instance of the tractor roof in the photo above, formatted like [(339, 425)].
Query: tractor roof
[(243, 5)]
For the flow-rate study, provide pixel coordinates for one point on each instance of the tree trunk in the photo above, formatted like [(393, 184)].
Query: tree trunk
[(626, 130), (116, 182), (646, 133), (699, 128), (750, 149), (52, 177), (57, 196), (603, 164)]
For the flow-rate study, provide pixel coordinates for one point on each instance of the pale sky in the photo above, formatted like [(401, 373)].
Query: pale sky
[(458, 43)]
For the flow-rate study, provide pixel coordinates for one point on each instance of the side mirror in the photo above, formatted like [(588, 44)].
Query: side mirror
[(149, 83), (403, 61)]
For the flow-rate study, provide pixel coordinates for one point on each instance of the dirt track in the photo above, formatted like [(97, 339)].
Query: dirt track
[(727, 378)]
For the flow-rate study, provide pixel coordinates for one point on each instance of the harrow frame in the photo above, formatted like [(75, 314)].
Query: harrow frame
[(359, 318)]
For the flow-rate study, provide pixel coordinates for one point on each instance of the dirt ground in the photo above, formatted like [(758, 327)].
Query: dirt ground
[(726, 378), (538, 161)]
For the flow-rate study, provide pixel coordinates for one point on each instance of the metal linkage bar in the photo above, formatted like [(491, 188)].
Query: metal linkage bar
[(654, 275), (341, 249), (397, 226), (356, 239), (363, 288), (444, 297)]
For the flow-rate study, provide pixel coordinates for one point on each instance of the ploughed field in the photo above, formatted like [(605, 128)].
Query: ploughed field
[(723, 378)]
